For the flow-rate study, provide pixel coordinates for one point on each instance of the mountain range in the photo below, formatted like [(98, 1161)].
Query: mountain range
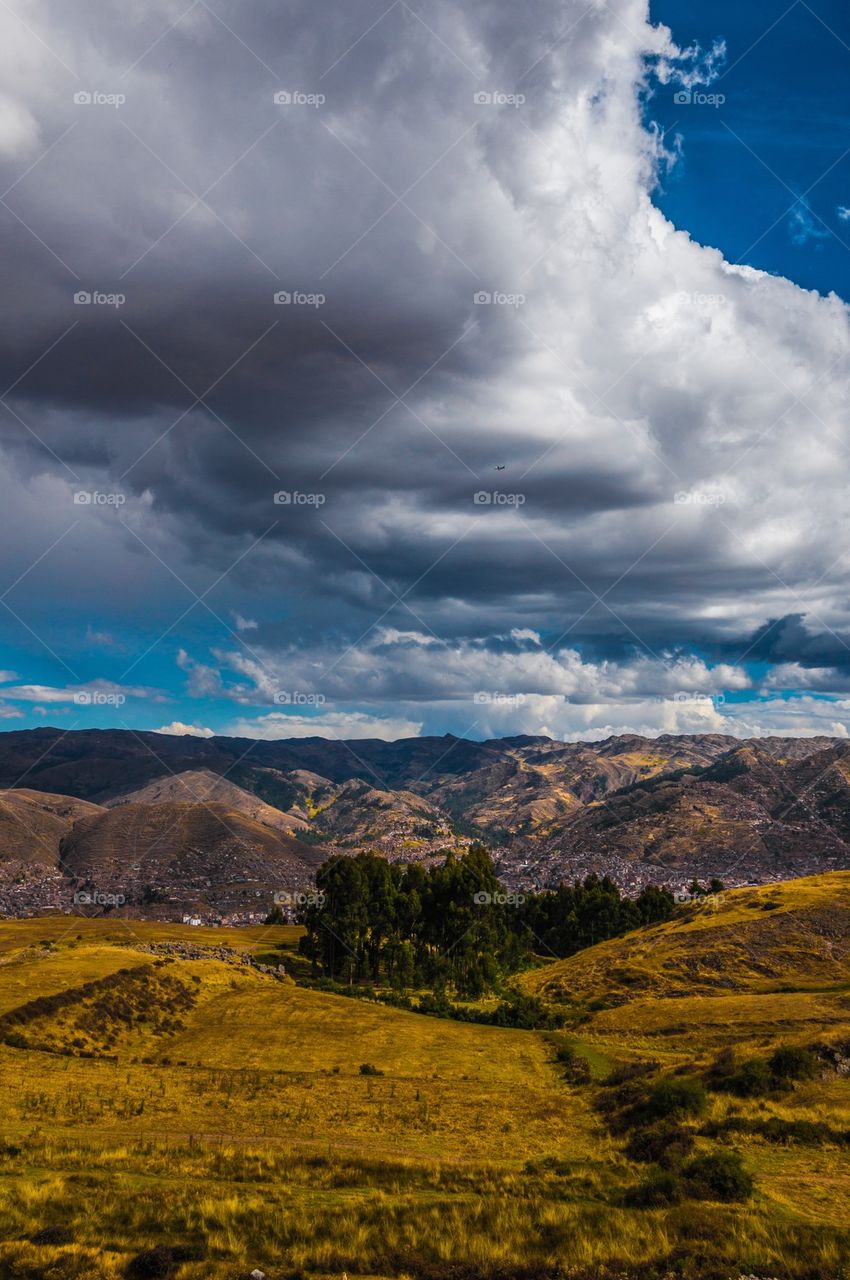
[(227, 826)]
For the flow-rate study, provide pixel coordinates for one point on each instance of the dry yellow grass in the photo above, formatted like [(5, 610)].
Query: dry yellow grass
[(249, 1134), (794, 935)]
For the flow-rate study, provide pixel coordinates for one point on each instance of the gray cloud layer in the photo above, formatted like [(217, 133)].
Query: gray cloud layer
[(670, 427)]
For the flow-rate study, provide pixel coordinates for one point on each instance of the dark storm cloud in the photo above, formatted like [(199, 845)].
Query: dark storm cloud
[(790, 639), (642, 452)]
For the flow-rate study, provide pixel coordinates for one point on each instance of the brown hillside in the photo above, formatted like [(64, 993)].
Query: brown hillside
[(201, 786), (32, 826), (187, 854)]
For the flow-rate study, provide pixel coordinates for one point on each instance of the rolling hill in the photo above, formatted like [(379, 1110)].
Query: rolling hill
[(781, 937), (201, 786), (188, 857), (172, 1107)]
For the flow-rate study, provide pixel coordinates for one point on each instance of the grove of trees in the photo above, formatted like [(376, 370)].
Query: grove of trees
[(453, 925)]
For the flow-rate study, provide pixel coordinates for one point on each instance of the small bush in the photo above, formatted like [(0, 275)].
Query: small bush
[(676, 1096), (752, 1079), (368, 1069), (808, 1133), (576, 1068), (722, 1068), (623, 1072), (719, 1176), (659, 1188), (790, 1062), (53, 1235), (159, 1263), (663, 1144)]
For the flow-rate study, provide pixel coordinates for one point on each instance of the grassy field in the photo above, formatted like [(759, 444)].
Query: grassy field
[(155, 1096)]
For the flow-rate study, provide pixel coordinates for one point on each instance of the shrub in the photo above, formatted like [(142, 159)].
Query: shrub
[(663, 1144), (676, 1096), (790, 1062), (752, 1079), (659, 1188), (719, 1176), (527, 1013), (576, 1068), (623, 1072), (722, 1068), (809, 1133), (53, 1235), (368, 1069), (159, 1263)]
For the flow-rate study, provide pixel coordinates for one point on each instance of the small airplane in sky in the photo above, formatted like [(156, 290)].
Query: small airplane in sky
[(501, 467)]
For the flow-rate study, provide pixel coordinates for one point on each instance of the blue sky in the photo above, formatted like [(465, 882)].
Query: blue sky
[(548, 462), (764, 175)]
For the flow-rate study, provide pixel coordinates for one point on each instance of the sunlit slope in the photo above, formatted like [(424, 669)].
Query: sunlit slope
[(790, 936), (169, 1091), (192, 1040), (32, 826)]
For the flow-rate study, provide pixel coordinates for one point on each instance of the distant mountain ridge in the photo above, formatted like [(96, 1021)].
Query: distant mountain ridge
[(221, 824)]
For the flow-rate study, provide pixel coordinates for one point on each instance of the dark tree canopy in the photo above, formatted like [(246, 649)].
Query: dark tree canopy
[(454, 925)]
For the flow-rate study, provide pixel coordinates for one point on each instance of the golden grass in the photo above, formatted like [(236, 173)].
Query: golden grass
[(793, 935), (251, 1136)]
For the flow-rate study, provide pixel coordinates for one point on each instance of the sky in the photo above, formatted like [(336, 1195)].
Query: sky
[(383, 369)]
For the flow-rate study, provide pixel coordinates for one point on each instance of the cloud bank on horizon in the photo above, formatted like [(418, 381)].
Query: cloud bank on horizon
[(354, 385)]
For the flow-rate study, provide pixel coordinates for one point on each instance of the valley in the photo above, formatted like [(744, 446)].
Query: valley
[(216, 828), (168, 1103)]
